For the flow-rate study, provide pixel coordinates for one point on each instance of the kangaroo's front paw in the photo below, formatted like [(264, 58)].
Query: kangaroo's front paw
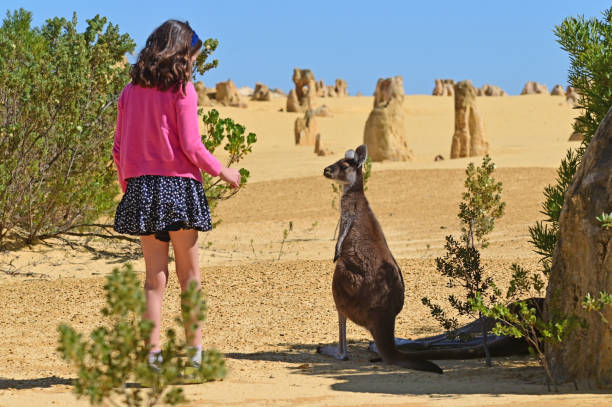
[(332, 351)]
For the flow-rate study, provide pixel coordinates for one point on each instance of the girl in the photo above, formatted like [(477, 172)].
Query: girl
[(159, 157)]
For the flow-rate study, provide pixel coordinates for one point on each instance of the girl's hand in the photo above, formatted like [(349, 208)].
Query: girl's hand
[(231, 176)]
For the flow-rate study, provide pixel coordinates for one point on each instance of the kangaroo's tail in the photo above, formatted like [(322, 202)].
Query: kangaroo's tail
[(384, 336)]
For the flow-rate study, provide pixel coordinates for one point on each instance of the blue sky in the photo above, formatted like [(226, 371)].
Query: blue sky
[(503, 43)]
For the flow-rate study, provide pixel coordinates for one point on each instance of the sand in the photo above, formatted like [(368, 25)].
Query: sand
[(270, 302)]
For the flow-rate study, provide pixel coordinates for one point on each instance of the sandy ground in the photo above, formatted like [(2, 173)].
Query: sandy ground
[(269, 301)]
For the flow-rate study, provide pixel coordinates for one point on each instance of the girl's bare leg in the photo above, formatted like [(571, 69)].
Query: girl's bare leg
[(156, 262), (185, 244)]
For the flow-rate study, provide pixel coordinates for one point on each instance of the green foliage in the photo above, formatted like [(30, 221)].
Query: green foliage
[(606, 220), (544, 233), (116, 354), (208, 47), (522, 318), (237, 145), (482, 202), (481, 205), (597, 304), (461, 265), (589, 45), (58, 92)]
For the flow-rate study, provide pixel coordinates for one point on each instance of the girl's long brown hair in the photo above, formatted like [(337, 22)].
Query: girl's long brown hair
[(165, 61)]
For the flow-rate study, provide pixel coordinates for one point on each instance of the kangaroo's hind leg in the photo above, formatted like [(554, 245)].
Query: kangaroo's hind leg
[(339, 352)]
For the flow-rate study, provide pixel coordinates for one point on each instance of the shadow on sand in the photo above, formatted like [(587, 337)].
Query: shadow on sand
[(38, 383), (508, 375)]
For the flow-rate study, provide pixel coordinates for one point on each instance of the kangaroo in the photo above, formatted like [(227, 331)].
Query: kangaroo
[(368, 286)]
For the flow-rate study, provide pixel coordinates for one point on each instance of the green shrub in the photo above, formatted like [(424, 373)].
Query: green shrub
[(589, 45), (520, 316), (58, 90), (116, 354), (481, 205), (237, 145)]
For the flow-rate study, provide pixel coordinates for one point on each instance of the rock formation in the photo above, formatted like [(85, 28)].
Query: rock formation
[(305, 91), (341, 88), (581, 264), (306, 129), (201, 91), (533, 88), (557, 91), (292, 102), (319, 148), (227, 94), (261, 92), (571, 96), (469, 139), (276, 92), (443, 87), (385, 129), (320, 89), (490, 90)]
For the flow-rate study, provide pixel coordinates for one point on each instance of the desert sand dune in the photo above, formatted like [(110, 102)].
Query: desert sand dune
[(266, 314)]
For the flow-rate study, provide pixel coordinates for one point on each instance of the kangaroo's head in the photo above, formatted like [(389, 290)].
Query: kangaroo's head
[(348, 170)]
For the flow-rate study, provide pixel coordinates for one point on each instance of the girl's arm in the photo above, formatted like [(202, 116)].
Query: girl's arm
[(117, 147), (189, 133)]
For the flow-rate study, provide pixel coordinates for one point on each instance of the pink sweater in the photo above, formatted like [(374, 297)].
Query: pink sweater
[(157, 134)]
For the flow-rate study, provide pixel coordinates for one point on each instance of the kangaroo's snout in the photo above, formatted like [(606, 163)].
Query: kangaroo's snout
[(328, 172)]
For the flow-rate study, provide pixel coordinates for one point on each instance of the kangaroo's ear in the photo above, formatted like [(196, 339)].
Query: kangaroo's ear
[(361, 153), (349, 155)]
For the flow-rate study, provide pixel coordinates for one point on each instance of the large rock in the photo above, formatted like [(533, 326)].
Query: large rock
[(306, 129), (320, 148), (261, 92), (330, 91), (292, 102), (227, 93), (320, 89), (534, 88), (305, 83), (341, 88), (443, 87), (201, 91), (571, 96), (582, 263), (557, 91), (469, 139), (385, 129), (490, 90), (302, 98)]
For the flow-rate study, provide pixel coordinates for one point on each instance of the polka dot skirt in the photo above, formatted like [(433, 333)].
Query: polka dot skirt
[(155, 204)]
